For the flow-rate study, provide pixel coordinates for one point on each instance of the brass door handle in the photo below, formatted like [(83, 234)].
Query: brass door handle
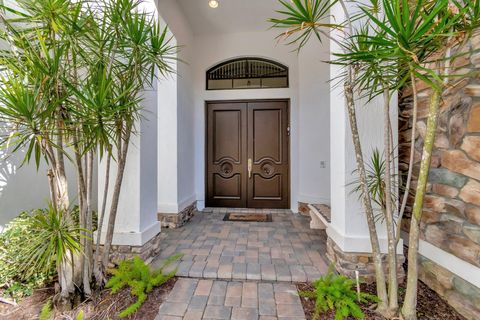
[(249, 168)]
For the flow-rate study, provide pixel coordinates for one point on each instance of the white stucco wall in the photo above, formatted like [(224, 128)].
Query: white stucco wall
[(307, 85), (314, 123), (349, 228), (176, 119), (24, 188), (136, 220)]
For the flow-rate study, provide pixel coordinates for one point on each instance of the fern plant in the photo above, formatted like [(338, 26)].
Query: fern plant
[(136, 274), (336, 292), (47, 311)]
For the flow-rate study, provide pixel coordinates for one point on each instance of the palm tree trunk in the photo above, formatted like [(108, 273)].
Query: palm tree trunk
[(392, 250), (66, 272), (376, 253), (82, 195), (367, 202), (410, 303), (125, 141), (53, 188), (88, 253), (99, 277), (412, 157)]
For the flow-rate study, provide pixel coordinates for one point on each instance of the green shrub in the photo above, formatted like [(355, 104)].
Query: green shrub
[(337, 293), (136, 274), (12, 242), (31, 247)]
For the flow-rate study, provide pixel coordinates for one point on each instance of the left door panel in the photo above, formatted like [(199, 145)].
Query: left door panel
[(226, 155)]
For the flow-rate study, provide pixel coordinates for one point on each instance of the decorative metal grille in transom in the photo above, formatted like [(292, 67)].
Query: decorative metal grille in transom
[(247, 73)]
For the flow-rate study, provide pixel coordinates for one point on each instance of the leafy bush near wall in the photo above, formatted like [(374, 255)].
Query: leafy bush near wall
[(16, 235)]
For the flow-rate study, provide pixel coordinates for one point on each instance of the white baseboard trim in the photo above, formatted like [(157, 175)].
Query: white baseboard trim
[(461, 268), (176, 207), (167, 208), (186, 202), (200, 205), (313, 199), (452, 263), (133, 238), (359, 244)]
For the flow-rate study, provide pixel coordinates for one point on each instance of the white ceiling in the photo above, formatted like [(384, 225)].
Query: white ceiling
[(231, 15)]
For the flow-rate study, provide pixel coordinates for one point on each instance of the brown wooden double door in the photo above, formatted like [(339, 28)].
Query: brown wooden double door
[(248, 154)]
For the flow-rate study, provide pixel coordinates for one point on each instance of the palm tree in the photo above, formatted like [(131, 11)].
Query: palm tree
[(400, 41), (302, 19), (71, 85)]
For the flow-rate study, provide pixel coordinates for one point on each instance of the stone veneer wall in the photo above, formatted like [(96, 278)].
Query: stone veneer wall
[(147, 252), (303, 209), (176, 220), (347, 263), (451, 216), (460, 294), (152, 248)]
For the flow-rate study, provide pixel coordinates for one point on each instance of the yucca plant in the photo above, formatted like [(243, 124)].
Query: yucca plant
[(300, 18), (417, 40), (71, 86), (398, 41), (54, 241), (375, 167)]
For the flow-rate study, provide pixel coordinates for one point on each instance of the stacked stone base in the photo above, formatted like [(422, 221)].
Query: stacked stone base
[(147, 252), (303, 209), (347, 263), (460, 294), (177, 220)]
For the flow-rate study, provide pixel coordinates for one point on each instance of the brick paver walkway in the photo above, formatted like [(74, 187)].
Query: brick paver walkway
[(241, 270), (283, 250), (193, 299)]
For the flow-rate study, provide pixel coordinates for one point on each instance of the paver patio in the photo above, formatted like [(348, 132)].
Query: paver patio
[(241, 270), (285, 249)]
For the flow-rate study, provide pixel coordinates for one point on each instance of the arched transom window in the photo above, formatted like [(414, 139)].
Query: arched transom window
[(247, 73)]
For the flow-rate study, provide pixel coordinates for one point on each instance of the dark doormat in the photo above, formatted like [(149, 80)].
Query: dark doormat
[(248, 217)]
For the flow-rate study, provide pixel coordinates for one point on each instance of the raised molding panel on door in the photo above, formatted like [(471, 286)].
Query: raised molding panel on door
[(247, 154), (226, 154)]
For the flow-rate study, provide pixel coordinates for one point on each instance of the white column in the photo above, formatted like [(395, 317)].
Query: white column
[(348, 228), (136, 221), (314, 129), (167, 146)]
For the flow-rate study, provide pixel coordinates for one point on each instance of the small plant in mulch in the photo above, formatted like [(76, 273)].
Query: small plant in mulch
[(336, 293), (136, 274)]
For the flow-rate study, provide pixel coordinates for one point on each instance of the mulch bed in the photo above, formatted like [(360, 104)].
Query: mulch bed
[(28, 308), (101, 306), (430, 305)]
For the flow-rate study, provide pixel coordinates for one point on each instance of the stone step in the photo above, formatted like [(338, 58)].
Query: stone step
[(321, 216), (246, 271)]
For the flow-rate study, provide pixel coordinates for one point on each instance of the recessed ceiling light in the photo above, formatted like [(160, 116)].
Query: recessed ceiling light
[(213, 4)]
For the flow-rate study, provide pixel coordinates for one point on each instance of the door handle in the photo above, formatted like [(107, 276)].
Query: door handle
[(249, 167)]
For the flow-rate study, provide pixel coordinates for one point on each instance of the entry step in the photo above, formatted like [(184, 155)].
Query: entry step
[(321, 216)]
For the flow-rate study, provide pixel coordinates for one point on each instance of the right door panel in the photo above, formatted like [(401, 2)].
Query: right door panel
[(268, 165)]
